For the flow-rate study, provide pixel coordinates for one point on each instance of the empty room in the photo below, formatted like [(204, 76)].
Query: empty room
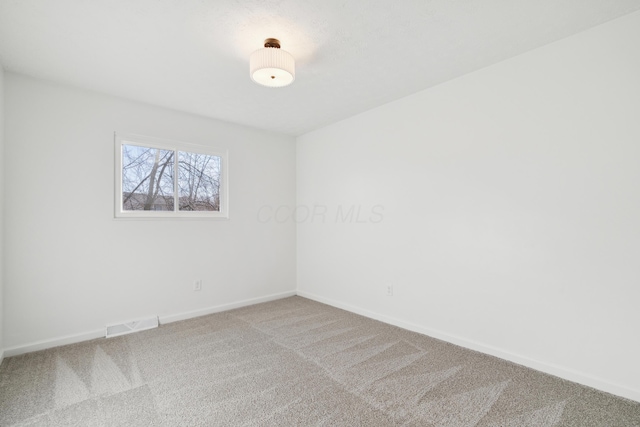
[(320, 213)]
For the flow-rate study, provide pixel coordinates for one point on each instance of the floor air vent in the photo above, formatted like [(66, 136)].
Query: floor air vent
[(132, 326)]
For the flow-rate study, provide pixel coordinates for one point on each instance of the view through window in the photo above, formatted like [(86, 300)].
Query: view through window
[(159, 179)]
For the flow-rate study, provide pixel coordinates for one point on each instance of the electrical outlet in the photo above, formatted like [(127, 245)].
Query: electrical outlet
[(197, 285), (389, 290)]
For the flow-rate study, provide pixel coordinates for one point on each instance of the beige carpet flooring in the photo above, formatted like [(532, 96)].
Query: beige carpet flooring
[(292, 362)]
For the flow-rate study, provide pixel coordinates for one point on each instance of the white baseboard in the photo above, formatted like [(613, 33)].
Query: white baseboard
[(54, 342), (86, 336), (558, 371), (224, 307)]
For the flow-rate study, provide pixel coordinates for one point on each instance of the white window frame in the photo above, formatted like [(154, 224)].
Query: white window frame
[(165, 144)]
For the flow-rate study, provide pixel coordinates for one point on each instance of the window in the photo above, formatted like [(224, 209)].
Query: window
[(166, 179)]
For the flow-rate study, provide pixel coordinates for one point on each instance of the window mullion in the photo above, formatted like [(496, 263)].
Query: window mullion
[(176, 198)]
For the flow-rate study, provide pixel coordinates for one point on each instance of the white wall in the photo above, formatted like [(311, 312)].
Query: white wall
[(71, 268), (1, 211), (510, 209)]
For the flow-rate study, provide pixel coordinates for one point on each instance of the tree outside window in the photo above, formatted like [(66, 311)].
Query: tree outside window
[(156, 180)]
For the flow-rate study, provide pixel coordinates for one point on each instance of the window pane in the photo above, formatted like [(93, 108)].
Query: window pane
[(147, 179), (198, 182)]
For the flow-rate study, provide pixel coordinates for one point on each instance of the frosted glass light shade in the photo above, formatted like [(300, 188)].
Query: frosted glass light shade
[(272, 67)]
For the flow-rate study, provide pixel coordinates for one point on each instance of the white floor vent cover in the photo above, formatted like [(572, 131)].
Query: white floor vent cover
[(132, 326)]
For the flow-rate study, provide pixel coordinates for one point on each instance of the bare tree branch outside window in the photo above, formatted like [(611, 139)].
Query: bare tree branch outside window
[(148, 180), (198, 182)]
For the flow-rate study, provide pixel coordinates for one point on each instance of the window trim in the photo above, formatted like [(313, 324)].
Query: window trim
[(121, 139)]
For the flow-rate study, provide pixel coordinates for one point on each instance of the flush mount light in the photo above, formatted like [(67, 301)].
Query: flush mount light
[(272, 66)]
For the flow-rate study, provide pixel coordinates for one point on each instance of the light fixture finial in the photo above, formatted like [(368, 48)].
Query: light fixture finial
[(272, 43)]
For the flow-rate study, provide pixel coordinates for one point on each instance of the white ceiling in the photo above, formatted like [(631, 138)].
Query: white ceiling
[(352, 55)]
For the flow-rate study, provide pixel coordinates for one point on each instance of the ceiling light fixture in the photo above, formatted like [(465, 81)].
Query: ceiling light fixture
[(272, 66)]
